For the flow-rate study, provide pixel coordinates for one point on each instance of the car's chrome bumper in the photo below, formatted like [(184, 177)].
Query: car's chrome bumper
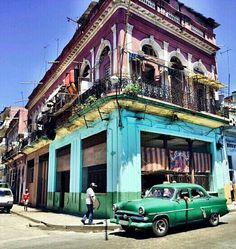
[(6, 205), (132, 223)]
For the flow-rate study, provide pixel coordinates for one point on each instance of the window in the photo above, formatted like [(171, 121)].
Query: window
[(95, 166), (148, 50), (230, 162), (183, 193), (107, 72), (98, 174), (197, 193), (5, 193), (104, 53)]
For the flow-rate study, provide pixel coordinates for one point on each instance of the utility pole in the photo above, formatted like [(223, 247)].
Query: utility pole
[(227, 53)]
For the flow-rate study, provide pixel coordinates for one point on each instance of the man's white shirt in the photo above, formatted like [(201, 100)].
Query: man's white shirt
[(90, 196)]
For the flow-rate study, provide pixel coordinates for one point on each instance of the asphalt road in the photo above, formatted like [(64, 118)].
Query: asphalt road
[(15, 233)]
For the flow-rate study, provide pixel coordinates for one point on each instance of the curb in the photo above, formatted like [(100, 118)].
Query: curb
[(78, 228)]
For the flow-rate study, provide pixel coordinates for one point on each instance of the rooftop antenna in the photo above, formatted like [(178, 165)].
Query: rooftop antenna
[(57, 46), (44, 57), (72, 20), (227, 53), (31, 82), (22, 99)]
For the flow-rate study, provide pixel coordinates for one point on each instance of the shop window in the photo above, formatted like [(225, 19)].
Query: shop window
[(95, 167), (98, 174)]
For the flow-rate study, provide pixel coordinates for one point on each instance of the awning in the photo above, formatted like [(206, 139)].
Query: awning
[(206, 81)]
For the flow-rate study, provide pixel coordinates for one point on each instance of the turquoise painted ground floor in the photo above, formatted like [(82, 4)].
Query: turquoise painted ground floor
[(128, 153)]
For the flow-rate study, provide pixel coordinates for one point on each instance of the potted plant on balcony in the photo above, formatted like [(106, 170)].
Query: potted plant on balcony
[(132, 89), (88, 102)]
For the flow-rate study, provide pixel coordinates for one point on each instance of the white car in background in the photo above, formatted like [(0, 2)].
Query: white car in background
[(6, 199)]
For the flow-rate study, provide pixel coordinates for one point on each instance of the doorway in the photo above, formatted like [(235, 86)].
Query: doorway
[(42, 181)]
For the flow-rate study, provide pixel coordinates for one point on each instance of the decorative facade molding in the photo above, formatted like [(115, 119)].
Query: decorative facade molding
[(114, 51), (101, 20), (104, 43)]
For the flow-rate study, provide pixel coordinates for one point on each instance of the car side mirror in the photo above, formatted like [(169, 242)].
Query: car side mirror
[(178, 199)]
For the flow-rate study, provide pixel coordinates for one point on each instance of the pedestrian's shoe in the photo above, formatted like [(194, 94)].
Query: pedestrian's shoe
[(83, 221)]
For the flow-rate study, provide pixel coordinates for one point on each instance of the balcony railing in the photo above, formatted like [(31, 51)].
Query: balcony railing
[(184, 96)]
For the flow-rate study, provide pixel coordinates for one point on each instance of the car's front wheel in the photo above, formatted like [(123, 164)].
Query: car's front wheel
[(214, 219), (160, 227)]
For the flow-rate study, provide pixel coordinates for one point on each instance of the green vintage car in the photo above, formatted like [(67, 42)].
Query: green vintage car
[(169, 205)]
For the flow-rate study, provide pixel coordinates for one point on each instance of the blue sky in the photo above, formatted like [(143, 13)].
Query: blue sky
[(32, 30)]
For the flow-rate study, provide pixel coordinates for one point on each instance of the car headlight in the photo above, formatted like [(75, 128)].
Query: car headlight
[(141, 210), (114, 207)]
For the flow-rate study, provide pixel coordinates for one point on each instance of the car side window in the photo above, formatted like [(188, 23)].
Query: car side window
[(183, 193), (197, 193)]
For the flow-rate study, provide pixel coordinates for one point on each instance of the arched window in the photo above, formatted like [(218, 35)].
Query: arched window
[(176, 63), (104, 61), (199, 91), (148, 50), (86, 72), (148, 71), (178, 81), (86, 81), (198, 70)]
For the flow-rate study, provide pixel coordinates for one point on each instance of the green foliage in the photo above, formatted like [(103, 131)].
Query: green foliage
[(88, 102), (132, 89)]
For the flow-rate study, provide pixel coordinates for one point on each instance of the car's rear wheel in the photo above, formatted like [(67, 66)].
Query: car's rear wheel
[(128, 229), (160, 227), (214, 219)]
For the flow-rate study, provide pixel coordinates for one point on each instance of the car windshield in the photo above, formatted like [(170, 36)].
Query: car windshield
[(160, 192), (5, 193)]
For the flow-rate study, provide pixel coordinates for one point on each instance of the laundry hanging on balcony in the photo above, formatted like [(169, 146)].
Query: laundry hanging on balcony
[(206, 81), (70, 82)]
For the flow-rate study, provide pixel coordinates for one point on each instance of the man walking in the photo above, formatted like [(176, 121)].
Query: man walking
[(90, 200)]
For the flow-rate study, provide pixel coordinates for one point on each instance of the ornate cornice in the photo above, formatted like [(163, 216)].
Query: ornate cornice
[(98, 24)]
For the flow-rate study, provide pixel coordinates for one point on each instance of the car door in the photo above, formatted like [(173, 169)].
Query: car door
[(199, 200), (183, 206)]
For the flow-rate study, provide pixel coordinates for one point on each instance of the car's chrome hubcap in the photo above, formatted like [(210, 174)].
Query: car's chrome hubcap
[(214, 218), (161, 226)]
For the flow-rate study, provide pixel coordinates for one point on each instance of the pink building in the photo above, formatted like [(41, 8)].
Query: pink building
[(134, 87)]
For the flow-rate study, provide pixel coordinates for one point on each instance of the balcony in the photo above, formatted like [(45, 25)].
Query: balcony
[(192, 96), (195, 97)]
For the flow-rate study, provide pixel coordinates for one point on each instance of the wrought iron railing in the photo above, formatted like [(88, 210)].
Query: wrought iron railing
[(184, 97)]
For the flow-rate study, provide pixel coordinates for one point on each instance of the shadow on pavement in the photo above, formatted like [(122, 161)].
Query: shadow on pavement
[(139, 234)]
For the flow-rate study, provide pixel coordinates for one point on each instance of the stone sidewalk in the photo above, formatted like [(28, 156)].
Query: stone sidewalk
[(61, 221)]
